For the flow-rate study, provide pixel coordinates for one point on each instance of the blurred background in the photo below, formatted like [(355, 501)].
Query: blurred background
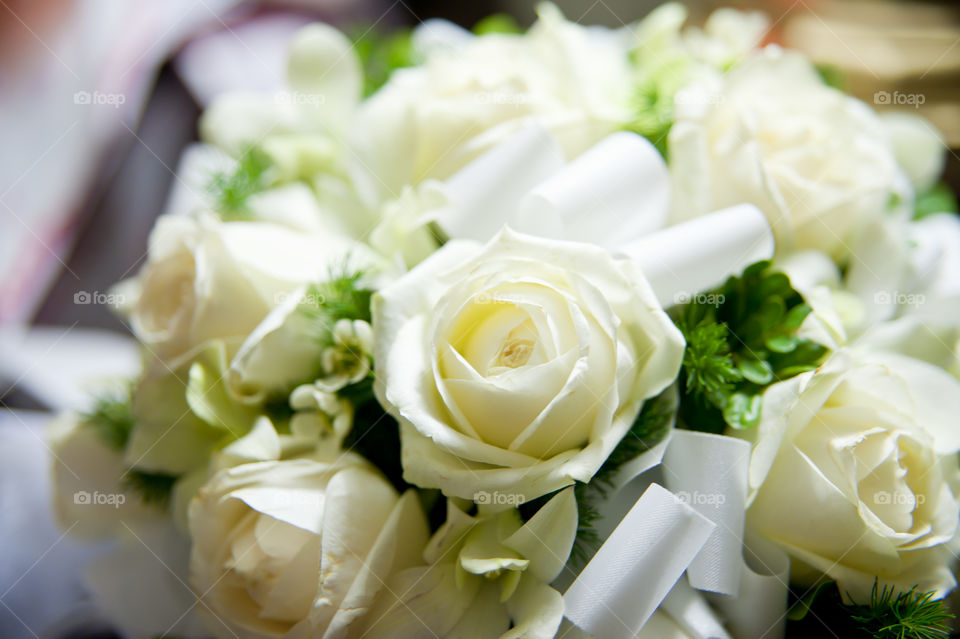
[(99, 97)]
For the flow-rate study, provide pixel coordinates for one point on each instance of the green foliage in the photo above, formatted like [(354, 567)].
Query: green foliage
[(342, 296), (889, 614), (231, 191), (112, 417), (832, 76), (497, 23), (741, 337), (938, 199), (904, 615), (153, 488), (381, 54)]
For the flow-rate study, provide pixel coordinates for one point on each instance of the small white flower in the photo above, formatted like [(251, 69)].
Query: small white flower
[(348, 360), (319, 413)]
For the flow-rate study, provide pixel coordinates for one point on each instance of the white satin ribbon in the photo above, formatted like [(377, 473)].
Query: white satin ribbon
[(691, 611), (613, 193), (637, 566), (709, 472), (759, 611), (711, 248), (630, 575)]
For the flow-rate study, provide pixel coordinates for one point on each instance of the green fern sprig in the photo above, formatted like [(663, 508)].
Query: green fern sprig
[(903, 615)]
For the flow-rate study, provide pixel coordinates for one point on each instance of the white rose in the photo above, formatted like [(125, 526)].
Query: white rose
[(518, 366), (206, 279), (298, 548), (818, 163), (430, 120), (854, 472)]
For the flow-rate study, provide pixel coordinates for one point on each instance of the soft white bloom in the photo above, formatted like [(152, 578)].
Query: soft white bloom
[(303, 131), (519, 365), (854, 472), (348, 360), (919, 147), (206, 279), (482, 574), (90, 498), (298, 548), (727, 37), (429, 121), (904, 273), (319, 413), (139, 584), (818, 163)]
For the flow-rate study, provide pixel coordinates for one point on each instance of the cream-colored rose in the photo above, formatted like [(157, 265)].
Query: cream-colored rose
[(429, 121), (206, 279), (298, 548), (854, 472), (818, 163), (518, 366)]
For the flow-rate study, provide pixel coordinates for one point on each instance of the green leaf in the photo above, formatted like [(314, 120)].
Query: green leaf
[(938, 199), (497, 23), (757, 371), (799, 610), (742, 410), (782, 343), (381, 54), (739, 345)]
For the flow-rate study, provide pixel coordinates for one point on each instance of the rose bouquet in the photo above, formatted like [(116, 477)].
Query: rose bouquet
[(567, 332)]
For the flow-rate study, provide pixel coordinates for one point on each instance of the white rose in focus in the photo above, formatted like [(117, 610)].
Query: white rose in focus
[(206, 279), (818, 163), (431, 120), (298, 548), (854, 473), (518, 366)]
